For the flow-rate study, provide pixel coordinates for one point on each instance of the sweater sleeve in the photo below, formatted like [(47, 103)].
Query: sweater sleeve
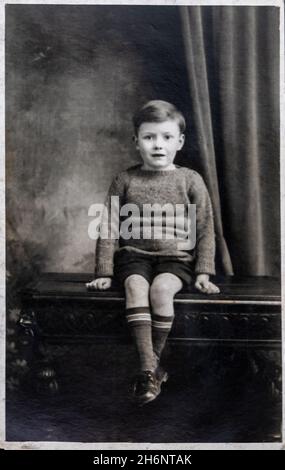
[(108, 239), (205, 234)]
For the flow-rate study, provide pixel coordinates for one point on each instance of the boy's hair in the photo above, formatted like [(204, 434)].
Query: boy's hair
[(158, 111)]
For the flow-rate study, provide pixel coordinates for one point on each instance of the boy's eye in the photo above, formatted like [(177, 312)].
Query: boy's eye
[(167, 137), (147, 137)]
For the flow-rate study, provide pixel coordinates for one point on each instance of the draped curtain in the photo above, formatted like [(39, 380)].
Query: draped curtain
[(232, 58)]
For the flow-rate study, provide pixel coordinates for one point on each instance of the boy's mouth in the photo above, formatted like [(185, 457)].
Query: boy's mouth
[(158, 155)]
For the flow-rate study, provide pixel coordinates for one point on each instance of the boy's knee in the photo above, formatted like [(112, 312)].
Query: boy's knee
[(164, 287), (136, 285), (160, 290)]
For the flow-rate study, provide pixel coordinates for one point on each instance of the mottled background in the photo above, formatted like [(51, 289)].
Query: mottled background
[(75, 75)]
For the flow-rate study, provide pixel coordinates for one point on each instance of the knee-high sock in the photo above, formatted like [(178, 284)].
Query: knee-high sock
[(139, 321), (161, 326)]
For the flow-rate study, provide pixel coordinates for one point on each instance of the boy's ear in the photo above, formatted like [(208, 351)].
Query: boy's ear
[(181, 140), (135, 140)]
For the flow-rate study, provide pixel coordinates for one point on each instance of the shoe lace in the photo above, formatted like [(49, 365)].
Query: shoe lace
[(146, 378)]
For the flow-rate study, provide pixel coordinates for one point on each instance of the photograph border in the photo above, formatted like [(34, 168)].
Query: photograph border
[(124, 445)]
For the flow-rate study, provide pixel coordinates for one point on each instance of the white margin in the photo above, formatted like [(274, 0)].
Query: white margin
[(2, 230), (282, 203), (121, 445)]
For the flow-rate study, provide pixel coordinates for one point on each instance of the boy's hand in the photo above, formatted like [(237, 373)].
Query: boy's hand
[(102, 283), (204, 285)]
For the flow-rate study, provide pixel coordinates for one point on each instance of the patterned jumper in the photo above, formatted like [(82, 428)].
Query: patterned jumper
[(181, 186)]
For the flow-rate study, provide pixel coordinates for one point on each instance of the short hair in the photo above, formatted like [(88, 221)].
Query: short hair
[(158, 111)]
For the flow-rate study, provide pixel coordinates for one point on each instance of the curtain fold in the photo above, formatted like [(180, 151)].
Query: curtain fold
[(192, 27), (232, 58)]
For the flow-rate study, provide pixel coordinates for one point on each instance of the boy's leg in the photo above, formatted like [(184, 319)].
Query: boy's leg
[(162, 291), (139, 319)]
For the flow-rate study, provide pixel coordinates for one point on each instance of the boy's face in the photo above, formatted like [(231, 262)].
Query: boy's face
[(158, 143)]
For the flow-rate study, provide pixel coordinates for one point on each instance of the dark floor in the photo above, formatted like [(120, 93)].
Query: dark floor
[(208, 398)]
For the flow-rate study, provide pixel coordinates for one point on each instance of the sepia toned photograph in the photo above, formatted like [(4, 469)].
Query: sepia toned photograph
[(143, 224)]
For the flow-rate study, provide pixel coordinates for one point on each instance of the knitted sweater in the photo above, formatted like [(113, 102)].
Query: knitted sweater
[(136, 186)]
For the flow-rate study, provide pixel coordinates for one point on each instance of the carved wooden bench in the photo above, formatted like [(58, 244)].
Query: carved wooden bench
[(58, 309)]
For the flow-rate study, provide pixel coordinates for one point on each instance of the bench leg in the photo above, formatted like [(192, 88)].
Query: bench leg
[(42, 374)]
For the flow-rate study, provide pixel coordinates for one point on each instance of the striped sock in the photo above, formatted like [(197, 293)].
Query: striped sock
[(161, 326), (139, 321)]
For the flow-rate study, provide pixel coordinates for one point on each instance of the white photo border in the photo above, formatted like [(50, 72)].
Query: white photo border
[(124, 445)]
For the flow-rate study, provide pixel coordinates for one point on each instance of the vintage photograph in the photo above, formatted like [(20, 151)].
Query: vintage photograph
[(143, 223)]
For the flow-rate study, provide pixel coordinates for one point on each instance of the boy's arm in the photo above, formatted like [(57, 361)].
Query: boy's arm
[(107, 241), (205, 233), (205, 237)]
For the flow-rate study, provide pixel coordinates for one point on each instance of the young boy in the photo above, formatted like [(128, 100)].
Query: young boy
[(153, 269)]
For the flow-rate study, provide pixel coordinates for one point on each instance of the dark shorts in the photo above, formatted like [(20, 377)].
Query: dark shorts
[(149, 266)]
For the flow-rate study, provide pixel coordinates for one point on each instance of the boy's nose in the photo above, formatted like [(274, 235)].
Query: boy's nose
[(158, 144)]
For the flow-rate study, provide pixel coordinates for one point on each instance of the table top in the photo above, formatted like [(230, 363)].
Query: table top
[(254, 289)]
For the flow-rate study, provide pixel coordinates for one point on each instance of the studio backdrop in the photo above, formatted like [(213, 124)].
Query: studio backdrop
[(74, 77)]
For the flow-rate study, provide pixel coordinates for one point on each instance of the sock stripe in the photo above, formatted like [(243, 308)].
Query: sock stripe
[(163, 319), (165, 326), (130, 311), (138, 317)]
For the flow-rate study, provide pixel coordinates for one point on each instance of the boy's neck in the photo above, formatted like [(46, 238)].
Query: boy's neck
[(168, 168)]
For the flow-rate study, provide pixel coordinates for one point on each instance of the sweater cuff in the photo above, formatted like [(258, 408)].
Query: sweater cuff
[(104, 270), (205, 268)]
